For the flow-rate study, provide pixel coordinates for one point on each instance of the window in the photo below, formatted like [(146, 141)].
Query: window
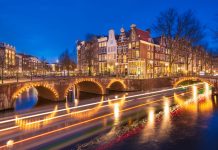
[(130, 46), (137, 44), (137, 54), (133, 44), (124, 59)]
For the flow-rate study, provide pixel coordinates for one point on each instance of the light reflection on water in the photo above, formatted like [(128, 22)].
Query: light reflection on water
[(26, 100), (171, 132)]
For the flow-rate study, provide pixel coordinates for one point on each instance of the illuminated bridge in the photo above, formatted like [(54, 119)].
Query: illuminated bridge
[(211, 80), (57, 89)]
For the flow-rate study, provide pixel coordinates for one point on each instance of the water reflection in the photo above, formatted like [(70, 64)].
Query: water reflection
[(149, 130), (83, 114), (35, 123), (116, 113), (26, 100), (194, 92), (165, 124)]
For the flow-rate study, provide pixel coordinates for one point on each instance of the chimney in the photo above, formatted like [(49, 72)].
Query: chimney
[(148, 30), (133, 26)]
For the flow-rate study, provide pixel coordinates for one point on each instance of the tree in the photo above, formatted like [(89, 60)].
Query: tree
[(180, 32), (2, 64), (66, 61), (43, 65), (90, 51), (166, 27)]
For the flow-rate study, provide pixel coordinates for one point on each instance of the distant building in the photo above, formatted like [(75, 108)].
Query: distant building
[(112, 53), (19, 63), (122, 53), (7, 56), (215, 65), (135, 54), (29, 64), (102, 55), (140, 53)]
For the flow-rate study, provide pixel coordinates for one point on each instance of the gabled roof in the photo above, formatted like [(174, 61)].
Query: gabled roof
[(157, 40), (143, 35)]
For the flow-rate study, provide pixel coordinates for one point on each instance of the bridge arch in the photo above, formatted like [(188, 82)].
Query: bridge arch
[(96, 86), (183, 79), (43, 88), (117, 84)]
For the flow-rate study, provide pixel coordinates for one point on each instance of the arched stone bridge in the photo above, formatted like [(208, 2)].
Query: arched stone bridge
[(212, 81), (57, 89)]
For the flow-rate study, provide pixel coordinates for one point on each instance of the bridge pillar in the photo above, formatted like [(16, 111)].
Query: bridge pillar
[(76, 92)]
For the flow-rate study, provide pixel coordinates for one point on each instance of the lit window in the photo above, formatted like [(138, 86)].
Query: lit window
[(133, 44), (137, 54), (137, 44), (130, 45)]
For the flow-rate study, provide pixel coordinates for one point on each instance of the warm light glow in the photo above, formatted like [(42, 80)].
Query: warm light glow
[(10, 144), (116, 113), (91, 104), (207, 89), (151, 118), (76, 102), (194, 92), (84, 122), (27, 124)]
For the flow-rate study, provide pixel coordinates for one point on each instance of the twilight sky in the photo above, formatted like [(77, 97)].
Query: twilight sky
[(47, 27)]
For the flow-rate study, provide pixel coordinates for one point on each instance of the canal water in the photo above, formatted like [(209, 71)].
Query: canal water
[(192, 125), (185, 124), (27, 100)]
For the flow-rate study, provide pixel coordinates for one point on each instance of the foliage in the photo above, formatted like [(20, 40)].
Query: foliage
[(180, 32), (66, 61)]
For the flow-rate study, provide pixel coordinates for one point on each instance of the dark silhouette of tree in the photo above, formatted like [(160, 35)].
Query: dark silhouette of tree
[(43, 65), (180, 32), (91, 52), (66, 61), (2, 64)]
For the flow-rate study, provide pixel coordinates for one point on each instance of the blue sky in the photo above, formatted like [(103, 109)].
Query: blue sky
[(48, 27)]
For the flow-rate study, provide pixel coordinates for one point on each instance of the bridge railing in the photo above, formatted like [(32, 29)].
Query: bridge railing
[(52, 75)]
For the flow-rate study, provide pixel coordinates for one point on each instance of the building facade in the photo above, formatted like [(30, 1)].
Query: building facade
[(102, 55), (122, 53), (135, 54), (7, 56), (112, 53)]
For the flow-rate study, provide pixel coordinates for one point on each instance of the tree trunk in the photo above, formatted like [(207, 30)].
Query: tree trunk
[(170, 69), (2, 75)]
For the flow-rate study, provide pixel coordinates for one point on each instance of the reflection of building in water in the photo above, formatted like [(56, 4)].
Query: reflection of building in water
[(195, 92), (116, 113), (149, 130), (84, 114), (165, 126), (29, 124), (26, 100)]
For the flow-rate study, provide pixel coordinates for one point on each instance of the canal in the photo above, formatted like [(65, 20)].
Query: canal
[(182, 123)]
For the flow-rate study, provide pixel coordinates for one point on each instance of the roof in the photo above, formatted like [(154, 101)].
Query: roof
[(157, 40), (143, 35)]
